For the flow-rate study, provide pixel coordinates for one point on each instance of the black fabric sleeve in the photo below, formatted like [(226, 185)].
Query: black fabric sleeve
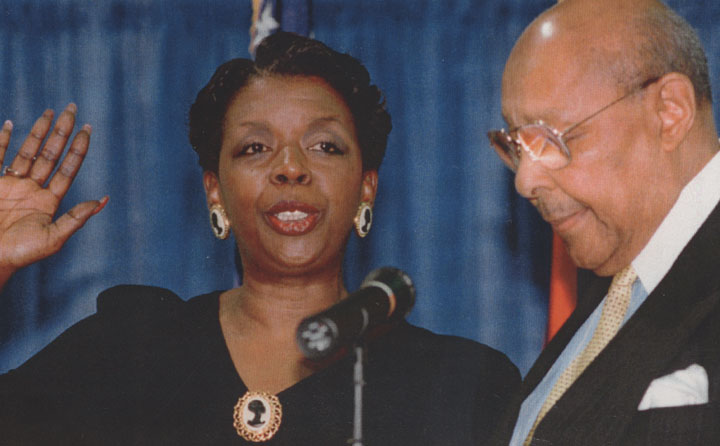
[(497, 383), (64, 393)]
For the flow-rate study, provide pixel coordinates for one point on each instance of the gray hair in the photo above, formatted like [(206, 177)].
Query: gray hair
[(665, 43)]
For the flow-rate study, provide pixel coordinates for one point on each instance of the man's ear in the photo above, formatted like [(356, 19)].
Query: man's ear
[(212, 188), (369, 186), (676, 107)]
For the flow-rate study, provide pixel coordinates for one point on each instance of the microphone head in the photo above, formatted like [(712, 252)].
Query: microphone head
[(317, 337), (397, 284), (386, 294)]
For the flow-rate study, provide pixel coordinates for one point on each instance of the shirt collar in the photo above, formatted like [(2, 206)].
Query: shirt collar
[(695, 203)]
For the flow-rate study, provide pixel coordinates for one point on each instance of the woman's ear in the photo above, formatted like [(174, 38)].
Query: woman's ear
[(369, 187), (212, 188), (676, 107)]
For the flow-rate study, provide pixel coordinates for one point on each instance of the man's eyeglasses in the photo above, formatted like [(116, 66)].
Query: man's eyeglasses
[(543, 143)]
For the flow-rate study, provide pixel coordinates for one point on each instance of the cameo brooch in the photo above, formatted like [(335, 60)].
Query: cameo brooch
[(257, 416)]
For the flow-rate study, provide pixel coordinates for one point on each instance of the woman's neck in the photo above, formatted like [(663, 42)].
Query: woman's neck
[(259, 321), (277, 302)]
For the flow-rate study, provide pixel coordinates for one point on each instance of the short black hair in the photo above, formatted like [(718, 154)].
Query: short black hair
[(288, 54)]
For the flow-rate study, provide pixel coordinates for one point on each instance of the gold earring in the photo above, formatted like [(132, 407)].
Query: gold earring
[(219, 222), (363, 219)]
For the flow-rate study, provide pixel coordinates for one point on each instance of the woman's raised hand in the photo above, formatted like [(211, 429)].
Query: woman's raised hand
[(30, 193)]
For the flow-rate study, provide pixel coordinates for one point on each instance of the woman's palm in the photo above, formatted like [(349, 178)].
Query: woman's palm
[(30, 193)]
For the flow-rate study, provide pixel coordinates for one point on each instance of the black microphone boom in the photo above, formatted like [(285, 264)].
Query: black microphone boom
[(386, 294)]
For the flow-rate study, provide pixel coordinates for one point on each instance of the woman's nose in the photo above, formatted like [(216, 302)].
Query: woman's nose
[(290, 167)]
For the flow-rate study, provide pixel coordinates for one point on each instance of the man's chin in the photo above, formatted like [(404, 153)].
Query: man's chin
[(603, 267), (590, 256)]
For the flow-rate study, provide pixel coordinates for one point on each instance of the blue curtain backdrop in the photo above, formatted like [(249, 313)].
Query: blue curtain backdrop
[(446, 213)]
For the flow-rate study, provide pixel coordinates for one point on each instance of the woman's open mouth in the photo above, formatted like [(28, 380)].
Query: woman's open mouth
[(292, 218)]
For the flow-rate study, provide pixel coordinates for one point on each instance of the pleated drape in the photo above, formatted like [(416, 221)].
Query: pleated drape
[(446, 213)]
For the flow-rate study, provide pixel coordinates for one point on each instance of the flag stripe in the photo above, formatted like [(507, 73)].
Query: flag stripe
[(563, 287)]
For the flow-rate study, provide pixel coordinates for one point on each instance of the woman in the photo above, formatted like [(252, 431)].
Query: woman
[(290, 146)]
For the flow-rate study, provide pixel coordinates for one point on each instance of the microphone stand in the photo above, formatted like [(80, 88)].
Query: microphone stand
[(358, 384)]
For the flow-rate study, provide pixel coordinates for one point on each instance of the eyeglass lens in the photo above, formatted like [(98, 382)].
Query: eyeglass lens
[(537, 141)]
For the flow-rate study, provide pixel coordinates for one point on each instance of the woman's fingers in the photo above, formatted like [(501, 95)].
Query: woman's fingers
[(74, 219), (24, 159), (63, 178), (5, 134), (30, 199), (44, 162)]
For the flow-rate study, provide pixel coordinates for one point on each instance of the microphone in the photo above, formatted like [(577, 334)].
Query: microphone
[(386, 294)]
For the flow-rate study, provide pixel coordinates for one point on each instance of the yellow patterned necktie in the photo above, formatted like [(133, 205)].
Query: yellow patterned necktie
[(613, 313)]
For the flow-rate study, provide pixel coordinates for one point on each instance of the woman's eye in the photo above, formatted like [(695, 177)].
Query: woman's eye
[(253, 148), (327, 147)]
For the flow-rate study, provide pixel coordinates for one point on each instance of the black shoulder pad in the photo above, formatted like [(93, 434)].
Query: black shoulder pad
[(134, 298)]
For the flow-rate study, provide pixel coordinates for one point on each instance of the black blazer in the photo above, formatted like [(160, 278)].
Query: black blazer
[(678, 325)]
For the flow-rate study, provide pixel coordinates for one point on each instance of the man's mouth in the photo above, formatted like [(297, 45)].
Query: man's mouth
[(561, 223)]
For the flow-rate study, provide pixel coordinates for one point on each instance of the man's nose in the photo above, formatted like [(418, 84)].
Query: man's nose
[(531, 176)]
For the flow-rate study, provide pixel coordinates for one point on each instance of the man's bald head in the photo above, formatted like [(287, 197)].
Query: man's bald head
[(620, 90), (624, 42)]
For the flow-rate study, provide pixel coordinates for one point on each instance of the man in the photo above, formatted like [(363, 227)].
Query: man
[(613, 141)]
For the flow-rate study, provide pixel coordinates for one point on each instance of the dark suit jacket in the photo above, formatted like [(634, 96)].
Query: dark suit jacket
[(678, 325)]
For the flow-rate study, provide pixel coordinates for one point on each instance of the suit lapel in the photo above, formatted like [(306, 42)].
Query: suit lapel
[(605, 397), (596, 290), (592, 297)]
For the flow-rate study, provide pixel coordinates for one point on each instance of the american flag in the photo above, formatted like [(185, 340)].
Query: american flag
[(270, 16)]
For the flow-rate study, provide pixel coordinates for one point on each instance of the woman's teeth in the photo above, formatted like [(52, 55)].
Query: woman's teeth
[(291, 215)]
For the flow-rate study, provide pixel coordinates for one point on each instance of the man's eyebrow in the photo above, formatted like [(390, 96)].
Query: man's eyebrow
[(551, 116)]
